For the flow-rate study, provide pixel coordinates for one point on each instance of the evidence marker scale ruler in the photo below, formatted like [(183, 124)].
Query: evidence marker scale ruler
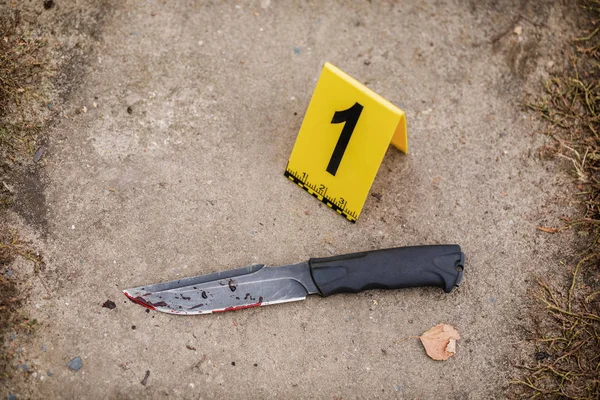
[(342, 141), (319, 191)]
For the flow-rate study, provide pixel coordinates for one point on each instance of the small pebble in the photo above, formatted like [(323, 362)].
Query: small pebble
[(44, 348), (12, 397), (75, 364), (49, 373), (109, 304), (518, 30), (38, 154)]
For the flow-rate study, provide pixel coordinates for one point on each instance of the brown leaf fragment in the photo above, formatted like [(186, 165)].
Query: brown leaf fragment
[(440, 341), (451, 348)]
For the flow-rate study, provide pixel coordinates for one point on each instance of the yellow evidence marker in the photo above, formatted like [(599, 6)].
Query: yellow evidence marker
[(343, 139)]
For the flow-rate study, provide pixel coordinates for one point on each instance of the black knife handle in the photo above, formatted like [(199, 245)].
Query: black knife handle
[(436, 265)]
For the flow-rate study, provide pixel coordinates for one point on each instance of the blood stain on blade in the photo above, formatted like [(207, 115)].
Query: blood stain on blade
[(158, 304), (234, 308), (232, 285), (148, 304)]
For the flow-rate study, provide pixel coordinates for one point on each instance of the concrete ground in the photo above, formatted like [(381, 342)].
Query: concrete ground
[(167, 161)]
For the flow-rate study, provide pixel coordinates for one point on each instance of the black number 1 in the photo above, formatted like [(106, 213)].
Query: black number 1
[(350, 117)]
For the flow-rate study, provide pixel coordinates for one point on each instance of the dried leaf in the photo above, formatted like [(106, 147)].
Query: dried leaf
[(548, 230), (451, 348), (440, 341)]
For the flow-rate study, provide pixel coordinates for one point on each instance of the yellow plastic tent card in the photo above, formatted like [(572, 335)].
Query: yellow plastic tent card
[(343, 139)]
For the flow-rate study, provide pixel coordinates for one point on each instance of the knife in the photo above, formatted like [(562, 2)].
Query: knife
[(259, 285)]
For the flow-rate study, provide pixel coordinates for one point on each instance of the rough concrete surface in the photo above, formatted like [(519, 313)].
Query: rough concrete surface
[(176, 166)]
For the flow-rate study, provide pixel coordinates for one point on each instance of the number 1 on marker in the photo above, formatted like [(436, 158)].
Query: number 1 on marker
[(350, 117), (338, 168)]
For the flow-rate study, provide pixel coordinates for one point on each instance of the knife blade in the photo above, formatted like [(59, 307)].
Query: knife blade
[(259, 285)]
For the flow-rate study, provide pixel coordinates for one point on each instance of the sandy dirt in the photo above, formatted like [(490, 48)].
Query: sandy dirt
[(167, 161)]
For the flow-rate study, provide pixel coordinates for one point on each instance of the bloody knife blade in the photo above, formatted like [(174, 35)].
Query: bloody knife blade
[(258, 285)]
